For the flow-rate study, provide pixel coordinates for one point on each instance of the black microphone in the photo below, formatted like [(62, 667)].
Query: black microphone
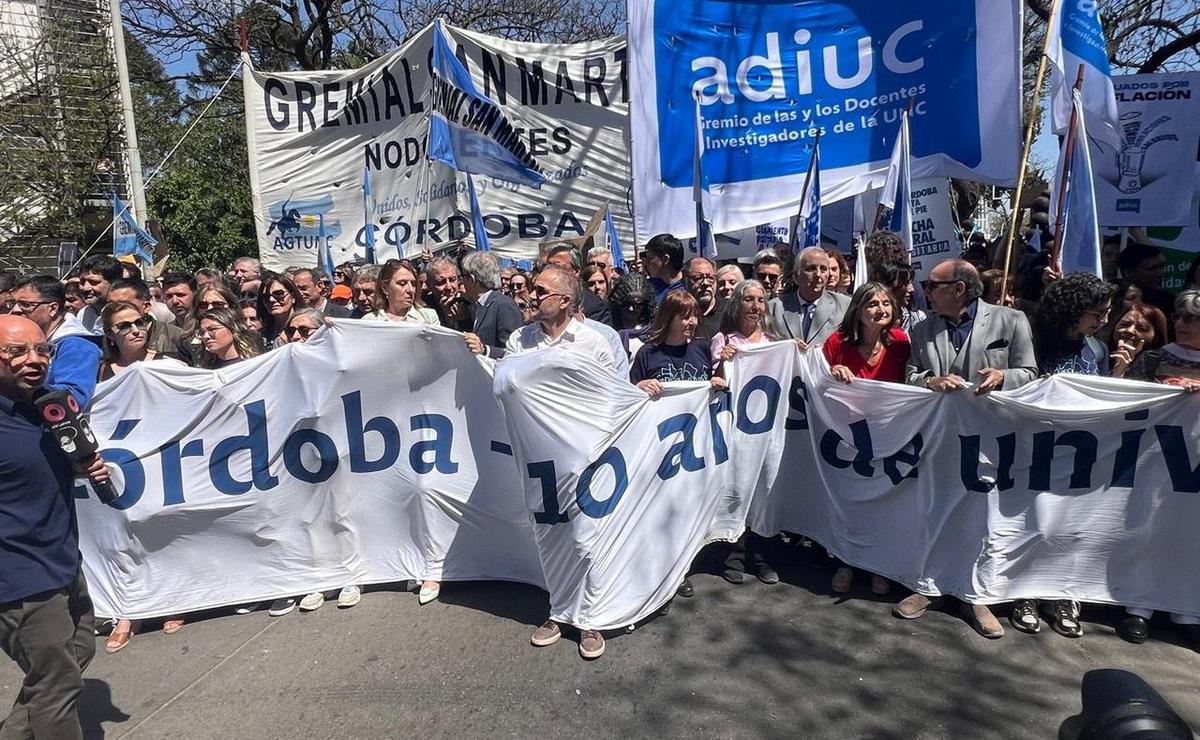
[(63, 417)]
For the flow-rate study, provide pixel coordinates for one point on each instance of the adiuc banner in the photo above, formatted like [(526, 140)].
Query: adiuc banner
[(333, 153), (1150, 179), (772, 76)]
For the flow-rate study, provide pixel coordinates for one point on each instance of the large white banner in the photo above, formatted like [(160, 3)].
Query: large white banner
[(378, 452), (771, 77), (314, 138), (1150, 180)]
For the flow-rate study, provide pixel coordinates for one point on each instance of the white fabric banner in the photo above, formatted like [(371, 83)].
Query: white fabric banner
[(311, 134), (771, 77), (1150, 179), (331, 463)]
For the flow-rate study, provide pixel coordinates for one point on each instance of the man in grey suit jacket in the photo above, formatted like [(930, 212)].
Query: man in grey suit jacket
[(810, 313), (966, 340), (496, 316)]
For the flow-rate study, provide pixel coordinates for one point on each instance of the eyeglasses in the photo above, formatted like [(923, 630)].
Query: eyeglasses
[(597, 263), (339, 274), (304, 331), (207, 305), (766, 277), (212, 330), (702, 278), (929, 285), (541, 292), (17, 351), (278, 295), (122, 328), (27, 306)]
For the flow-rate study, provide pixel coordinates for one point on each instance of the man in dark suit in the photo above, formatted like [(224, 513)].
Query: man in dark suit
[(810, 313), (313, 284), (496, 316), (567, 257)]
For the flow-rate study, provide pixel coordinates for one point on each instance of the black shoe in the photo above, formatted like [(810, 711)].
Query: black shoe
[(733, 575), (765, 573), (686, 589), (1191, 633), (1065, 618), (1024, 616), (1134, 629)]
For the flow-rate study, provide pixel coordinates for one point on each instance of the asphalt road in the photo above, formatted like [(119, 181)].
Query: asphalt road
[(750, 661)]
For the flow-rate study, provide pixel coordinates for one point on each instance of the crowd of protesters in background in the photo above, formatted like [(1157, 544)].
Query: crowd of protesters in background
[(667, 318)]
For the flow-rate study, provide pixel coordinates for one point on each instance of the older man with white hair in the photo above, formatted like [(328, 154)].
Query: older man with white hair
[(496, 316), (809, 313)]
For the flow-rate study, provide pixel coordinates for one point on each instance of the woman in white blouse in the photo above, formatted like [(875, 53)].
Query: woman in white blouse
[(398, 296)]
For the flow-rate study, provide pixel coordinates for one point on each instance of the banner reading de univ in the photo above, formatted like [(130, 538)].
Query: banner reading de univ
[(772, 75), (1150, 179), (378, 453), (310, 135)]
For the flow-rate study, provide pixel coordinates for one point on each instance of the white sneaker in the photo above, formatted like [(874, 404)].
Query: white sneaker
[(246, 608), (349, 596), (312, 602), (279, 607)]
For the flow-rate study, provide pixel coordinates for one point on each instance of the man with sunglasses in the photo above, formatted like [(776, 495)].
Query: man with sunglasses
[(768, 270), (966, 341), (809, 313), (77, 351), (46, 621)]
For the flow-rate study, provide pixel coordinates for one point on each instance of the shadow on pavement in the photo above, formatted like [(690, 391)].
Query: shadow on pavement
[(96, 708)]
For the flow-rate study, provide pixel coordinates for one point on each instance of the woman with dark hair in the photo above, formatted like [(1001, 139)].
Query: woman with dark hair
[(1140, 328), (868, 344), (840, 274), (343, 274), (632, 304), (277, 299), (899, 278), (208, 296), (1072, 310), (595, 280), (527, 305), (224, 339), (126, 338), (398, 296), (671, 351)]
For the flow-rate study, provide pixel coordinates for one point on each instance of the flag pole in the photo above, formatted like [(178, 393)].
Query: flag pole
[(1061, 204), (1016, 204), (879, 208)]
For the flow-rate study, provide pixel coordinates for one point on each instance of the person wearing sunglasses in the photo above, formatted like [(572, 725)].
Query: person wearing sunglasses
[(126, 338), (277, 299), (77, 351), (303, 324), (768, 270), (46, 619)]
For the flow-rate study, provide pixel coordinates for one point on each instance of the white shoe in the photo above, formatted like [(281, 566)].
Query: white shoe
[(279, 607), (246, 608), (312, 602), (349, 596), (427, 594)]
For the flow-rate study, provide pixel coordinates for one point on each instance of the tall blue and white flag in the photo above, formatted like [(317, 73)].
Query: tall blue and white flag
[(128, 237), (1077, 38), (895, 201), (705, 243), (772, 76), (860, 261), (368, 224), (1078, 232), (324, 251), (614, 241), (468, 130), (807, 232), (477, 226)]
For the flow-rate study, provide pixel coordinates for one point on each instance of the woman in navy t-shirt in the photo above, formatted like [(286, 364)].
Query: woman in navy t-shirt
[(671, 351)]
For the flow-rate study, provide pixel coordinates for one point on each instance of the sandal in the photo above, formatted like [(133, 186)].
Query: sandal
[(117, 641), (172, 625), (843, 578)]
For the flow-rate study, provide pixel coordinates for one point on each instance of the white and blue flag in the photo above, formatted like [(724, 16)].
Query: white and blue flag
[(1077, 38), (468, 130), (477, 225), (1073, 215), (895, 200), (324, 250), (368, 227), (128, 237), (704, 244), (807, 232), (614, 242)]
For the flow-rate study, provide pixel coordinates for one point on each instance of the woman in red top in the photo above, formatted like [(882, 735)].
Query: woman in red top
[(868, 344)]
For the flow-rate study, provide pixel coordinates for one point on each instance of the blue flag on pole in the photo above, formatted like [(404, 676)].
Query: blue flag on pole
[(368, 226), (128, 237), (614, 243), (895, 201), (807, 232), (467, 130), (324, 250), (477, 225), (1076, 39), (1074, 219), (704, 245)]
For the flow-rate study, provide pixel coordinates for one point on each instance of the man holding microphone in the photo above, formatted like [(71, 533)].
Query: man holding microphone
[(45, 610)]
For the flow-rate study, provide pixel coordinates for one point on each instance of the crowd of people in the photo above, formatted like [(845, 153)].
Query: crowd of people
[(966, 328)]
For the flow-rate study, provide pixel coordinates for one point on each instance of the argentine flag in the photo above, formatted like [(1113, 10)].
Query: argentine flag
[(1077, 38), (369, 228), (1073, 215), (807, 232), (128, 237), (481, 236)]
